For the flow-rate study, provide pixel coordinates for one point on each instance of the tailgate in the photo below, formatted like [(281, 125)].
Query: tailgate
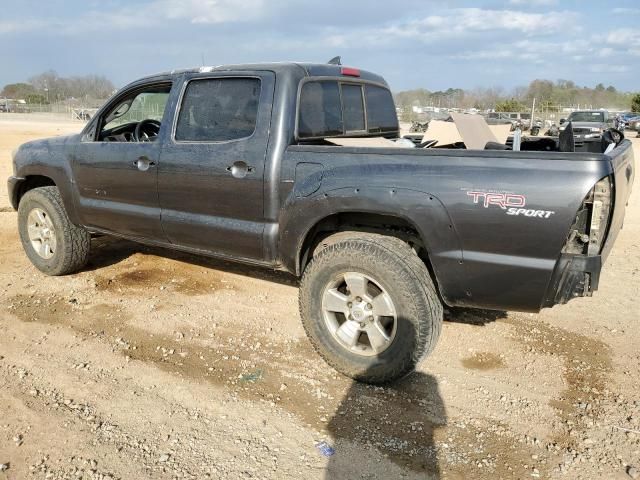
[(621, 159)]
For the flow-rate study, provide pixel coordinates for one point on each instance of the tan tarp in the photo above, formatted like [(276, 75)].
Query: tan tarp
[(371, 142), (470, 129), (501, 132), (473, 129), (444, 132)]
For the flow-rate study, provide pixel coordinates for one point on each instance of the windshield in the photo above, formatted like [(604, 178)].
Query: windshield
[(586, 117)]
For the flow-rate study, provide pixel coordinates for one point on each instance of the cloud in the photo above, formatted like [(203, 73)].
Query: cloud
[(209, 11), (459, 24), (623, 37), (533, 2), (626, 11), (18, 26), (608, 68), (462, 22), (156, 12)]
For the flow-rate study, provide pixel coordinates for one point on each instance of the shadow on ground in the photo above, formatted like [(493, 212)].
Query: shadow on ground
[(107, 251), (473, 316), (376, 425)]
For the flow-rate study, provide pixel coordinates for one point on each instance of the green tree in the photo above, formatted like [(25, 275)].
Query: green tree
[(511, 105), (635, 103), (17, 90), (36, 98)]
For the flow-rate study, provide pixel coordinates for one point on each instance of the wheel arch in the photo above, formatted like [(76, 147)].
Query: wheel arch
[(416, 217), (328, 230), (29, 183)]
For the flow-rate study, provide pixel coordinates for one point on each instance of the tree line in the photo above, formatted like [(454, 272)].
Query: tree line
[(49, 87), (550, 96)]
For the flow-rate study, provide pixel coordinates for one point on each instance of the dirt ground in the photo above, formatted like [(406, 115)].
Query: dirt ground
[(151, 364)]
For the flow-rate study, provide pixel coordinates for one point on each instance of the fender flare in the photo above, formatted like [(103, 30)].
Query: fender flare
[(424, 211)]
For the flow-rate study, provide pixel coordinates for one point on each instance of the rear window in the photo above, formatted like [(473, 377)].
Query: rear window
[(320, 110), (330, 108), (352, 107), (381, 111)]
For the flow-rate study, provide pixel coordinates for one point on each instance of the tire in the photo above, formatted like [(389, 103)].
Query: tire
[(69, 244), (390, 266)]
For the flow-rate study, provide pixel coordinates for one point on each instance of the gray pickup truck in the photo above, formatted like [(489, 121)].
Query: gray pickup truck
[(241, 162), (588, 123)]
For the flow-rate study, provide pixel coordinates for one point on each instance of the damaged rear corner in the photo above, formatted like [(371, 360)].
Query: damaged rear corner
[(577, 271), (575, 276)]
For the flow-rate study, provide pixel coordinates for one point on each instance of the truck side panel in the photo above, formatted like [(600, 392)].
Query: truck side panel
[(509, 217)]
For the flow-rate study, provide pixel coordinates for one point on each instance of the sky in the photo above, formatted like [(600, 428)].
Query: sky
[(412, 43)]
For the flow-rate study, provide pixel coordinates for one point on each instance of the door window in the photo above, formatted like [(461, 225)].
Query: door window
[(218, 110)]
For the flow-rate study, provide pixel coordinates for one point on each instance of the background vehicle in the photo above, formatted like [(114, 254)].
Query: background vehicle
[(515, 119), (632, 121), (241, 162), (537, 125), (588, 123)]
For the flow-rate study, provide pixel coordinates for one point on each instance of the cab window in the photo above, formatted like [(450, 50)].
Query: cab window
[(218, 110)]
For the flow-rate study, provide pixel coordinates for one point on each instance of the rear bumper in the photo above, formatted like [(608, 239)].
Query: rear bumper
[(12, 189), (574, 276)]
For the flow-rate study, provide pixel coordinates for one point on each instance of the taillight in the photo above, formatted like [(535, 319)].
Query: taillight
[(600, 209), (350, 72), (592, 219)]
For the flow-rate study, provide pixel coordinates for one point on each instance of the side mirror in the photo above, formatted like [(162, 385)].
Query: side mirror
[(119, 111), (563, 120)]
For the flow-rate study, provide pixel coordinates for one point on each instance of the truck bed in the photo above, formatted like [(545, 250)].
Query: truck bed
[(475, 249)]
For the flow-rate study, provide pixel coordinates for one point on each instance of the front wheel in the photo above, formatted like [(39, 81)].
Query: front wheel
[(53, 244), (369, 307)]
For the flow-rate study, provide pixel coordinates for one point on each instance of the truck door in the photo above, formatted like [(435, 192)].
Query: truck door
[(211, 173), (116, 172)]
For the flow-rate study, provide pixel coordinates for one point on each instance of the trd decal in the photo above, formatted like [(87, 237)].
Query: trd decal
[(503, 200), (512, 203)]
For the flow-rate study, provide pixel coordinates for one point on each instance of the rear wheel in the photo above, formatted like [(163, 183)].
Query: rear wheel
[(369, 306), (53, 244)]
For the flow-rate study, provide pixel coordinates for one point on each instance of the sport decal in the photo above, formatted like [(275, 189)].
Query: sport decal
[(512, 203)]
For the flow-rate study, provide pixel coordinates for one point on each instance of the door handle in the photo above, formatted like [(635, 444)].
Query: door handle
[(240, 169), (143, 163)]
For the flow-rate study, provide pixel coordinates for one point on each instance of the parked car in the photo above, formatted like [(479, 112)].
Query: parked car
[(241, 162), (632, 121), (588, 123), (515, 119)]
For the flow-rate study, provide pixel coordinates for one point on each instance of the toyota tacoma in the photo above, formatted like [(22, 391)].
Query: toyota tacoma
[(251, 163)]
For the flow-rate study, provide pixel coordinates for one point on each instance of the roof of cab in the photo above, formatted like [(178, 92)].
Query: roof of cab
[(279, 68)]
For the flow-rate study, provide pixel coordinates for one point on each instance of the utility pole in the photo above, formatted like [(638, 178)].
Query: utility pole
[(533, 109)]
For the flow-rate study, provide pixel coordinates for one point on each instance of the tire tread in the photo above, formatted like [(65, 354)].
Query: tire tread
[(395, 250), (76, 242)]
